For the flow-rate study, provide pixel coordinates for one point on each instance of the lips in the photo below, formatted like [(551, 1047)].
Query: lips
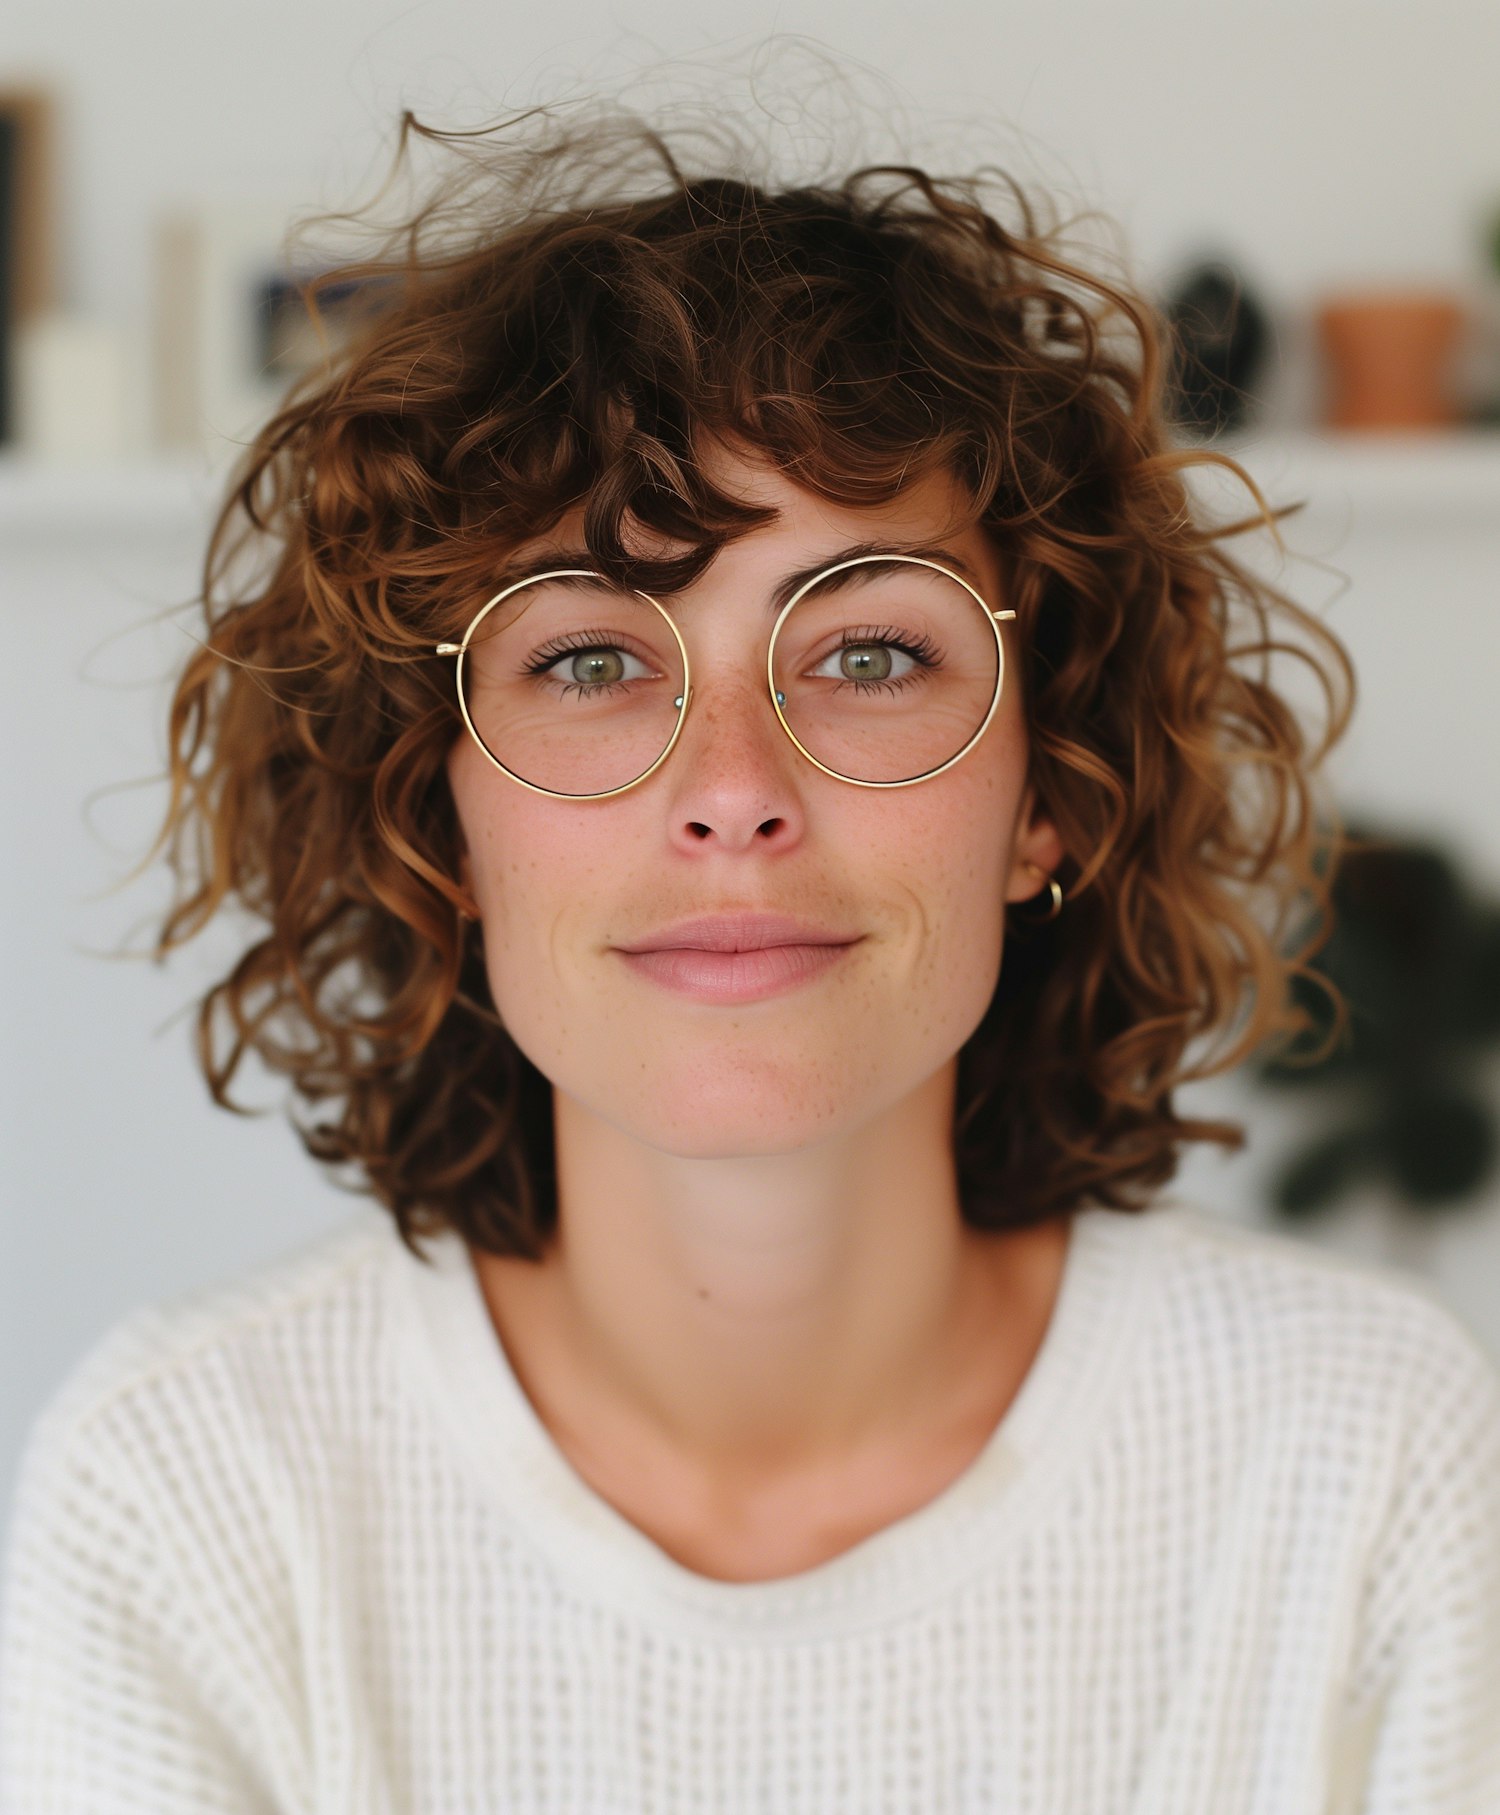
[(739, 931), (747, 976)]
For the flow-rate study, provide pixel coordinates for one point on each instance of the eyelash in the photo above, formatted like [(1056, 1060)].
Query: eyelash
[(924, 652)]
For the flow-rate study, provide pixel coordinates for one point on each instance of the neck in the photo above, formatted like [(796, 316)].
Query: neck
[(767, 1313)]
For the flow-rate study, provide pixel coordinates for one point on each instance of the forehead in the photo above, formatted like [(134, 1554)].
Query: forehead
[(933, 503), (931, 515)]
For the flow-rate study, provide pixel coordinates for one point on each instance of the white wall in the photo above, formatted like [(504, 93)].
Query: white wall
[(1321, 144), (1327, 141)]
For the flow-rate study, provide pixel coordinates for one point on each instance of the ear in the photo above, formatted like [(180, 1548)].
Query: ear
[(1035, 851)]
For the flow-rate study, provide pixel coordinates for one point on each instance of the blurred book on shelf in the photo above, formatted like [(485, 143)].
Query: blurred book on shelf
[(231, 327)]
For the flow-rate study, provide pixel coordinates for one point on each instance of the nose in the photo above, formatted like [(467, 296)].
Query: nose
[(733, 776), (729, 723)]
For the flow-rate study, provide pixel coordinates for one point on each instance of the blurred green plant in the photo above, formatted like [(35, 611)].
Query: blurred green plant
[(1416, 957)]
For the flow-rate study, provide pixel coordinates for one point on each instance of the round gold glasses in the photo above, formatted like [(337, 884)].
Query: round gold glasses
[(884, 670)]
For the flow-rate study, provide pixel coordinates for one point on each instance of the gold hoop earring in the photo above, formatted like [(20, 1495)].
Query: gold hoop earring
[(1057, 897)]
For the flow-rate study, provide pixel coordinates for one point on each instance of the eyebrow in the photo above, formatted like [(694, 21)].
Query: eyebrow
[(520, 569)]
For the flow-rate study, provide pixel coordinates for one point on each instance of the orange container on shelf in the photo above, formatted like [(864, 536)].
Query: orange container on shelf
[(1389, 356)]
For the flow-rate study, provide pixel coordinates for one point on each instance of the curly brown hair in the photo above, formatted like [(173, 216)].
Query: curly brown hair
[(561, 325)]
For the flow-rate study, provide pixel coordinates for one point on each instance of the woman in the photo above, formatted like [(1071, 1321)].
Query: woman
[(738, 741)]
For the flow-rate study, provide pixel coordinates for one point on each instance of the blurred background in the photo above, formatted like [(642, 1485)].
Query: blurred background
[(1310, 189)]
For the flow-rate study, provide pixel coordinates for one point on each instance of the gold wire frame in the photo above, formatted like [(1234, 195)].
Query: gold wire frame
[(685, 699)]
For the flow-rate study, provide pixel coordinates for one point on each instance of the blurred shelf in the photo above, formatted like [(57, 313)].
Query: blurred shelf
[(1452, 476), (52, 500), (1448, 476)]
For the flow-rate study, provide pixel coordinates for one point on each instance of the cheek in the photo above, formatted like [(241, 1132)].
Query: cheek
[(978, 861), (949, 861), (532, 878), (539, 871), (521, 846), (958, 838), (512, 860)]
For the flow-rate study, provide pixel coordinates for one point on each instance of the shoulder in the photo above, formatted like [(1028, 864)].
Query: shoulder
[(1305, 1293), (174, 1378), (182, 1499), (1293, 1328), (1342, 1420), (1336, 1408)]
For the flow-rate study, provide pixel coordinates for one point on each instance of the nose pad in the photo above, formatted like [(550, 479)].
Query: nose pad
[(780, 698), (678, 702)]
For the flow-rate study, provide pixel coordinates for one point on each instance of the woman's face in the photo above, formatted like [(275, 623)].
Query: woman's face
[(736, 819)]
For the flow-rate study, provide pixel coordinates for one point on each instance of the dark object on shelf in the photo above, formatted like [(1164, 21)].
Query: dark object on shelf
[(1219, 336), (1418, 961), (28, 272)]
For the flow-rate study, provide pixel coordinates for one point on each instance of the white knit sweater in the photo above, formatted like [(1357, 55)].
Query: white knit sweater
[(302, 1544)]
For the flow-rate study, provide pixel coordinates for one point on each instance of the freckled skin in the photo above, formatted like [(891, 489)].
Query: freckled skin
[(759, 1227)]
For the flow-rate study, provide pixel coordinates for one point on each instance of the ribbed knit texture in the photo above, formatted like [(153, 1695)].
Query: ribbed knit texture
[(303, 1544)]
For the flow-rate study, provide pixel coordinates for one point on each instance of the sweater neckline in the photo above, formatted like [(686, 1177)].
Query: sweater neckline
[(460, 1364)]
